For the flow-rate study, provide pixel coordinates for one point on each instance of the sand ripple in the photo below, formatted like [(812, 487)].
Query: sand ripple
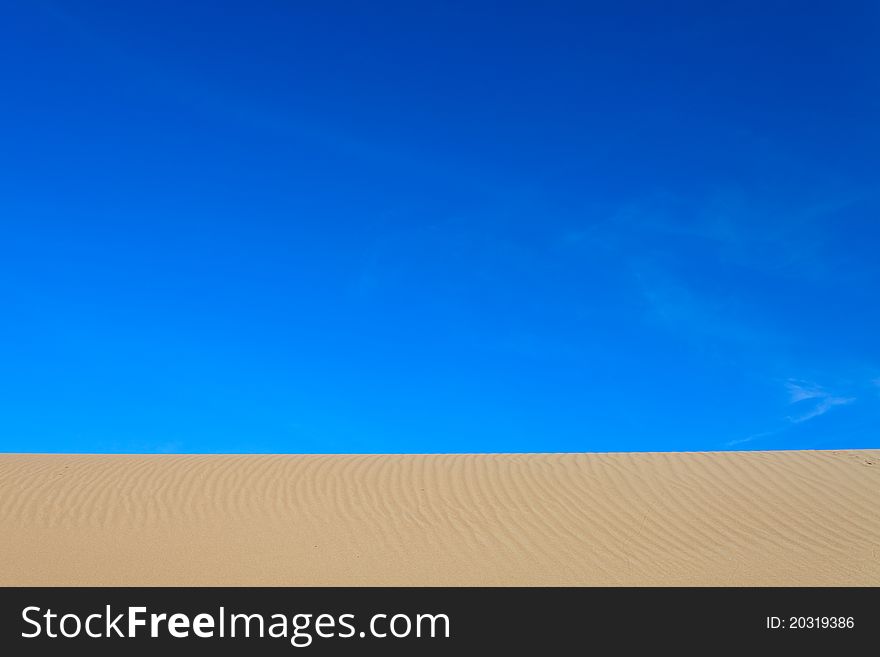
[(806, 518)]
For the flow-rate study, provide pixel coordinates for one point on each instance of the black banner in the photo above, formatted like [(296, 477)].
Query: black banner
[(431, 621)]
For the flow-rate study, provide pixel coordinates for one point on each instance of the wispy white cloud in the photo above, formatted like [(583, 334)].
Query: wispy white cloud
[(821, 408), (818, 400), (748, 439), (799, 391), (813, 401)]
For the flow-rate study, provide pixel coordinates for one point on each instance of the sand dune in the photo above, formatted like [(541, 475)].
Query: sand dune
[(761, 518)]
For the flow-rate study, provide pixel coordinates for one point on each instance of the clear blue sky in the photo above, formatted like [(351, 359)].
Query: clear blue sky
[(439, 226)]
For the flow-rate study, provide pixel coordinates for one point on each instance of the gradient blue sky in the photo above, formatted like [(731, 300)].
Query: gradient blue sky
[(439, 226)]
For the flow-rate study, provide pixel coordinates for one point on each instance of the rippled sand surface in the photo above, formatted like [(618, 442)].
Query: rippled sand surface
[(748, 518)]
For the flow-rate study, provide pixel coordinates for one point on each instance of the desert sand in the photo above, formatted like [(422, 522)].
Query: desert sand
[(757, 518)]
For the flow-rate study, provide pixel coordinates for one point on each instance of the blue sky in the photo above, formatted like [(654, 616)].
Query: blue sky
[(439, 226)]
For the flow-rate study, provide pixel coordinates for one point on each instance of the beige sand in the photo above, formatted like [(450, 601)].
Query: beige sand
[(770, 518)]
